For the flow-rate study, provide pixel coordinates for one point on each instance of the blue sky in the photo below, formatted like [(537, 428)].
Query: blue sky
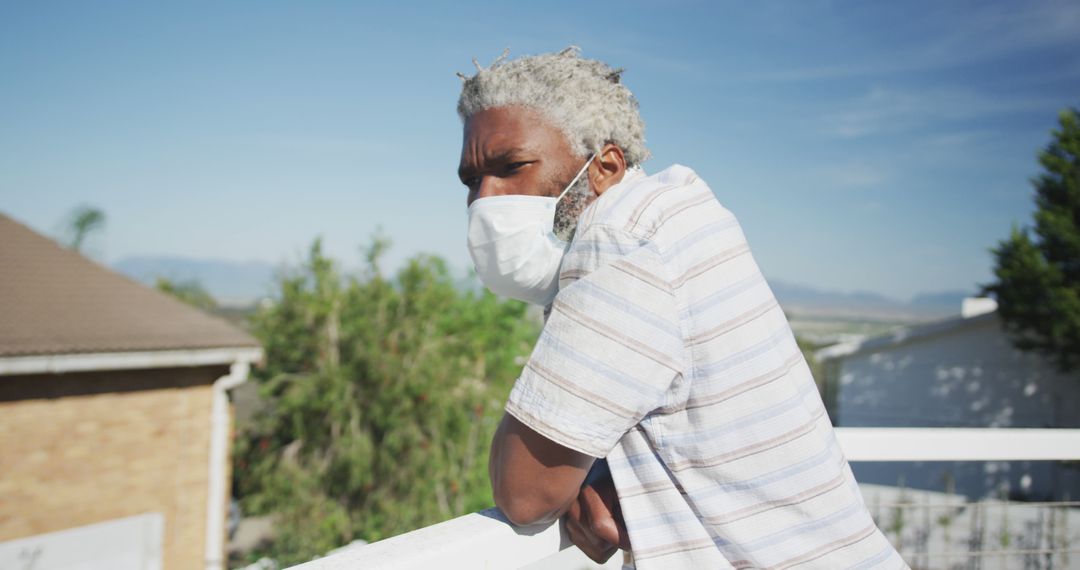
[(863, 146)]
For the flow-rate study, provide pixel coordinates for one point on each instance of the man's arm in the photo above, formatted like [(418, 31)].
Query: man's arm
[(534, 479)]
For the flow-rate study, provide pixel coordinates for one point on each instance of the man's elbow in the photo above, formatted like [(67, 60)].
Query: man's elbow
[(533, 480), (524, 509)]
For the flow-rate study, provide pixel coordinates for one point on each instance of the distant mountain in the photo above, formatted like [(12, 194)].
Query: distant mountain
[(808, 301), (795, 294), (228, 281), (243, 282)]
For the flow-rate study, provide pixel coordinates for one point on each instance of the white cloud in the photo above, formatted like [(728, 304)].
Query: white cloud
[(968, 34), (990, 30), (882, 110)]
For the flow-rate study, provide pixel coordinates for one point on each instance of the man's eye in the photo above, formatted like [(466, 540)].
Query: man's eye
[(515, 165)]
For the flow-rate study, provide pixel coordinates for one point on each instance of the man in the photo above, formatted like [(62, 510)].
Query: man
[(664, 351)]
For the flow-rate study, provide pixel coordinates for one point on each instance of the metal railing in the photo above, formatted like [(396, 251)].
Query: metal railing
[(487, 540)]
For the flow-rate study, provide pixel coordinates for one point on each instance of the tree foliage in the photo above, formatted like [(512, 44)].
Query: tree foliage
[(382, 397), (83, 222), (1038, 276)]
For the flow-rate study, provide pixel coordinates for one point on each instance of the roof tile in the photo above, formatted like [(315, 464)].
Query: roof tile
[(55, 301)]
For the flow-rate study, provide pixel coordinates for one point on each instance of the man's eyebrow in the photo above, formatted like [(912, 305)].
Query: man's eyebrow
[(504, 155), (499, 157)]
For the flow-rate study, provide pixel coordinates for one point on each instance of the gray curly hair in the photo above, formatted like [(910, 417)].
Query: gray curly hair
[(582, 97)]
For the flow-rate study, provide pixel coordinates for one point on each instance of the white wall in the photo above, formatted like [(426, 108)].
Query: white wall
[(969, 376)]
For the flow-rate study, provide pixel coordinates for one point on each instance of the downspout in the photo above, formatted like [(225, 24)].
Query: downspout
[(219, 461)]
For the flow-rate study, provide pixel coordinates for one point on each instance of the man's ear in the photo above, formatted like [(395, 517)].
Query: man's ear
[(607, 169)]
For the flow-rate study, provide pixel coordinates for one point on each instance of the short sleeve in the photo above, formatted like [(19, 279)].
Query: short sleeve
[(611, 347)]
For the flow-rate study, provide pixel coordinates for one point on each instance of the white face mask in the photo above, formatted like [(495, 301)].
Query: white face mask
[(512, 244)]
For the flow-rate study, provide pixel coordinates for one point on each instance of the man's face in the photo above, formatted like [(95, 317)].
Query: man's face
[(516, 150)]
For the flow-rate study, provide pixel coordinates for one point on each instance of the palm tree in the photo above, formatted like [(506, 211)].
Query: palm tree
[(84, 221)]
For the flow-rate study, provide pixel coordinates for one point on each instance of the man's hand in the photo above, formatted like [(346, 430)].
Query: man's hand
[(594, 522)]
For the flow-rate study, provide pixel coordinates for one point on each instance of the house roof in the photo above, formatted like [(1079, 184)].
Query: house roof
[(904, 336), (55, 301)]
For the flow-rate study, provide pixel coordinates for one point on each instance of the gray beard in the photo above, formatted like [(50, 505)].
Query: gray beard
[(569, 209)]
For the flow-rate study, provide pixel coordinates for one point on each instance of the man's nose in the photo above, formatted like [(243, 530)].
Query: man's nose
[(489, 186)]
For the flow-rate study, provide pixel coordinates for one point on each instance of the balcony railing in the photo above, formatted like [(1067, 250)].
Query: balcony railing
[(487, 540)]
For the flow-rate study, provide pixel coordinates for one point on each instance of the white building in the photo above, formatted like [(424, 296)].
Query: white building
[(959, 372)]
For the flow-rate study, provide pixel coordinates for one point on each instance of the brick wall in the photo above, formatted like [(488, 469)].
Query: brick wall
[(82, 448)]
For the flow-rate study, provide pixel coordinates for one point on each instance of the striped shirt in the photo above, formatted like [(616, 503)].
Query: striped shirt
[(666, 352)]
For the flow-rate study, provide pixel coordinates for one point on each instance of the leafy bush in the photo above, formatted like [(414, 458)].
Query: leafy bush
[(381, 397)]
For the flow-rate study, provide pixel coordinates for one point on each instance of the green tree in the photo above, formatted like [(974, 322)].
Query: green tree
[(83, 221), (190, 292), (1037, 282), (383, 395)]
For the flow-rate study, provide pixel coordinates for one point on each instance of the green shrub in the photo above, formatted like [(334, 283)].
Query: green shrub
[(380, 399)]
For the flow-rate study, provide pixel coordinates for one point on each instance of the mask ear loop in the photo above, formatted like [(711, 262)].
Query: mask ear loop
[(574, 181)]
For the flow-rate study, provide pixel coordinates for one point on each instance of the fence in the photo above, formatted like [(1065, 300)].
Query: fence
[(487, 540)]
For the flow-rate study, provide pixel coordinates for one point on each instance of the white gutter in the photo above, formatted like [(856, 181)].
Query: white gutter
[(902, 335), (217, 493), (94, 361), (838, 350)]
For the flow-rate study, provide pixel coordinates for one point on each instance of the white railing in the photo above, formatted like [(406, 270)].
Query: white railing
[(487, 540)]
